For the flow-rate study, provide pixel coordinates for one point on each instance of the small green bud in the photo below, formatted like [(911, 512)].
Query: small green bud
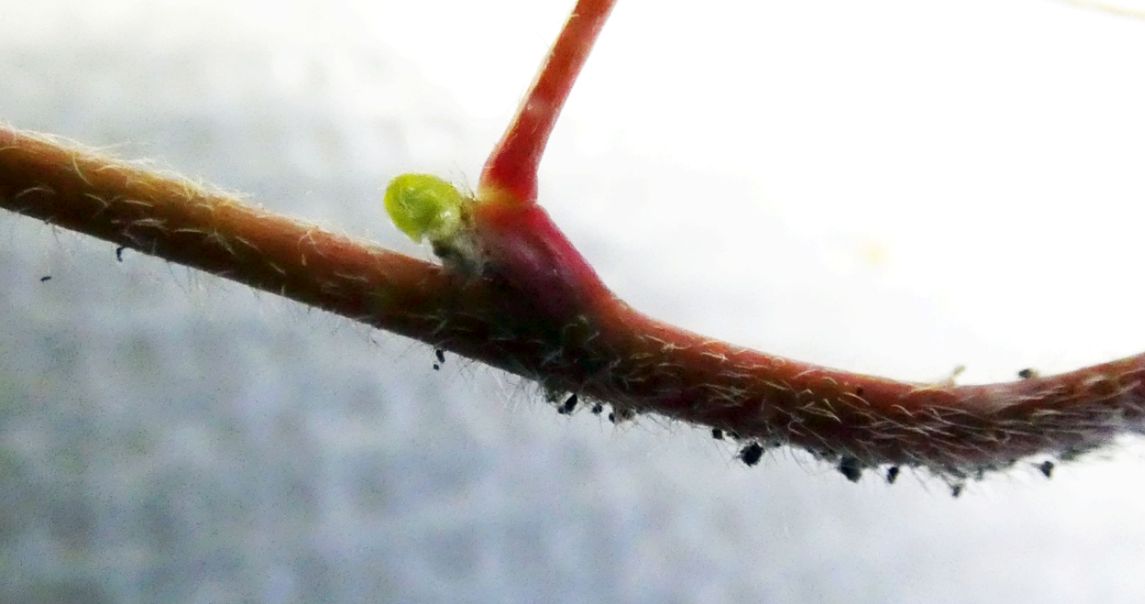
[(424, 206)]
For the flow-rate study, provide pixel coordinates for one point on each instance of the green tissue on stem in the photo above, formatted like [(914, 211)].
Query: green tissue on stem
[(424, 206)]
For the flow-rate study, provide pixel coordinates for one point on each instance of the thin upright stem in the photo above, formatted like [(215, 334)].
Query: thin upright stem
[(510, 173)]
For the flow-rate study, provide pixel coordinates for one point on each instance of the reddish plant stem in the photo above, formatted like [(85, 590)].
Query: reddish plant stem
[(627, 358), (510, 174), (524, 247), (610, 353), (954, 430)]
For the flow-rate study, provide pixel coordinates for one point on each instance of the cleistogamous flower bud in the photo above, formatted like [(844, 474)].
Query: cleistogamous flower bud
[(424, 206)]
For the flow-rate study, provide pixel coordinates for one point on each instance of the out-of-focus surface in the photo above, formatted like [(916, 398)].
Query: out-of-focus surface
[(892, 187)]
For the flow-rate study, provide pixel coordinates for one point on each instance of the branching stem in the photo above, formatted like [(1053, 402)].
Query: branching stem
[(617, 356), (537, 309)]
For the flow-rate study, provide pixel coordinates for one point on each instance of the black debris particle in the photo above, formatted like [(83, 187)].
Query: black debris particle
[(849, 467), (892, 474), (569, 405), (956, 490), (612, 417), (119, 252), (1046, 468), (597, 408), (436, 367), (1027, 374), (440, 354), (717, 434), (45, 278), (859, 391), (751, 454)]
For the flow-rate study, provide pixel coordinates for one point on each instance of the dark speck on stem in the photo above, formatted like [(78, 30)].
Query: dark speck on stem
[(849, 467), (751, 454)]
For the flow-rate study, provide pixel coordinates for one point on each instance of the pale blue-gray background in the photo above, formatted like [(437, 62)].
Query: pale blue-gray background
[(896, 187)]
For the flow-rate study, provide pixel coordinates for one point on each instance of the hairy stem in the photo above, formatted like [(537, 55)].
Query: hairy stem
[(613, 354), (169, 217)]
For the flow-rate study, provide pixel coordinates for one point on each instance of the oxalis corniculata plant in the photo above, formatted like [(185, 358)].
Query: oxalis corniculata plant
[(514, 293)]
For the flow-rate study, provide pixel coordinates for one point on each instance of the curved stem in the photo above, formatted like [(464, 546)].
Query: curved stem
[(609, 353)]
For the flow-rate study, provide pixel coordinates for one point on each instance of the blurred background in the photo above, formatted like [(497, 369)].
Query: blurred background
[(891, 186)]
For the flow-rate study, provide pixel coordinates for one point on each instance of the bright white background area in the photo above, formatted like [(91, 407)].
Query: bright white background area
[(890, 186)]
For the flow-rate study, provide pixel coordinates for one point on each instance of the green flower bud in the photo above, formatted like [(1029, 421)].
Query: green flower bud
[(424, 206)]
